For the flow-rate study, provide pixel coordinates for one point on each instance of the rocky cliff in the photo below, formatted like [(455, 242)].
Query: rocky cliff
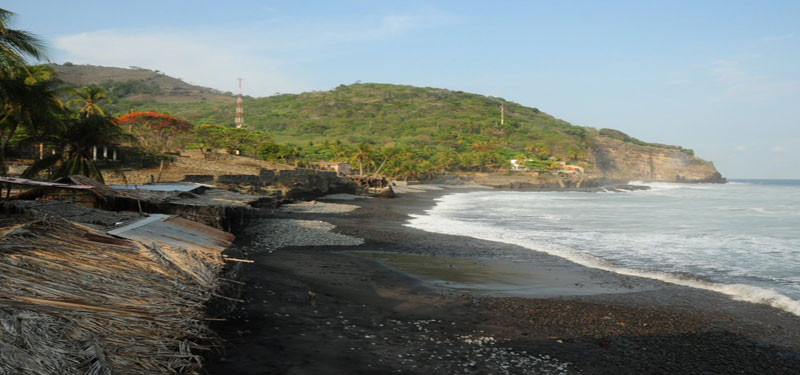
[(616, 160)]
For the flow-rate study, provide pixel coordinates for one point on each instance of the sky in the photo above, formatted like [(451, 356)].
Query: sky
[(719, 77)]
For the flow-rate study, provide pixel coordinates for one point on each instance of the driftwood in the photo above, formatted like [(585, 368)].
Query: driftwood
[(74, 300), (229, 259), (374, 185), (370, 181)]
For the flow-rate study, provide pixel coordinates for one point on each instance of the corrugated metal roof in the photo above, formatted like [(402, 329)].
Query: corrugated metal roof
[(27, 182), (159, 187), (175, 232)]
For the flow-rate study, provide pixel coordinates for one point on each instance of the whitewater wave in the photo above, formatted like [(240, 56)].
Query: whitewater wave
[(741, 292), (665, 186)]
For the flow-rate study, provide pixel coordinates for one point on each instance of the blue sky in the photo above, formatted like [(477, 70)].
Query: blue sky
[(720, 77)]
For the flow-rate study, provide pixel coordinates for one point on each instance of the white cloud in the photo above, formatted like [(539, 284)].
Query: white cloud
[(207, 58), (741, 148), (318, 33), (737, 83), (267, 57), (777, 148), (775, 38), (679, 82)]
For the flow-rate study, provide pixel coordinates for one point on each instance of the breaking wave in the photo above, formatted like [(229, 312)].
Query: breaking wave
[(709, 259)]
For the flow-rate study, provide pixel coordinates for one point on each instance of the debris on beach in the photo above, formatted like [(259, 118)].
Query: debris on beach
[(314, 207), (426, 344), (374, 185), (272, 234)]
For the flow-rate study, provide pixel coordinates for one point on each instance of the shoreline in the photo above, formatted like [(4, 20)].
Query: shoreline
[(618, 286), (625, 325), (740, 292)]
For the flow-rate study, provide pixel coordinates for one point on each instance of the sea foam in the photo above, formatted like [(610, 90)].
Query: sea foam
[(545, 222)]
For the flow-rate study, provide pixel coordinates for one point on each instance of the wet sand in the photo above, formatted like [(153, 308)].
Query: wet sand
[(541, 315), (492, 277)]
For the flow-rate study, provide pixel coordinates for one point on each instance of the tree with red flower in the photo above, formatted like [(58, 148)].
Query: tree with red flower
[(155, 131)]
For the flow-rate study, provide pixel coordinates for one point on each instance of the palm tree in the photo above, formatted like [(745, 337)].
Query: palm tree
[(16, 45), (30, 102), (75, 143), (89, 97), (26, 99), (363, 154)]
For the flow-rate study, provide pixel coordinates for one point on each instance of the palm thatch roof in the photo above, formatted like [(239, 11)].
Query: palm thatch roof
[(102, 192), (98, 187), (76, 300)]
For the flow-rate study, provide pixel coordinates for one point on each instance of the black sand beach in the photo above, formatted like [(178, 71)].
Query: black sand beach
[(365, 318)]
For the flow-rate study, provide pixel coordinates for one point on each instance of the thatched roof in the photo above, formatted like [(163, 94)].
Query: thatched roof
[(97, 187), (101, 191), (69, 211), (74, 300)]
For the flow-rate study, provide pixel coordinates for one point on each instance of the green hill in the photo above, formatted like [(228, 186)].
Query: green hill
[(436, 128), (138, 86)]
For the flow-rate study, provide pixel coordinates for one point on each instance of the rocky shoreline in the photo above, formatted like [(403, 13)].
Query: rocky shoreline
[(322, 310)]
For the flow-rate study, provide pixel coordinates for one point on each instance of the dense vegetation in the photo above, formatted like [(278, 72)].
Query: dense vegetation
[(618, 135), (403, 131), (31, 112)]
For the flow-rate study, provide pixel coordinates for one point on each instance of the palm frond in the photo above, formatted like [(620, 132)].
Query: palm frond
[(41, 165), (16, 45)]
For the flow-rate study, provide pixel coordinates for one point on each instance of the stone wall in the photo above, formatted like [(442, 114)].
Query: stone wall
[(239, 179), (198, 178)]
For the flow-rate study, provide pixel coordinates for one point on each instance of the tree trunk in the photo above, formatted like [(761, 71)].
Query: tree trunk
[(3, 145), (3, 167), (160, 170), (381, 167)]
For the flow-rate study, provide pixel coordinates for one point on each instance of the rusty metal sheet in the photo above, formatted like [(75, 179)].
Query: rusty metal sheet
[(174, 231)]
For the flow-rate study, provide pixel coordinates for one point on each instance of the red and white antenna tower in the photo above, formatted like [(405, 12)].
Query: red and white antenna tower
[(239, 119)]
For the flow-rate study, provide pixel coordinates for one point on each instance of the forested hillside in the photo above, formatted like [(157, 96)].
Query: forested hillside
[(137, 86), (412, 130)]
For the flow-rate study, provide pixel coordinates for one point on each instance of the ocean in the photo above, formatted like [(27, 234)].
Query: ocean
[(741, 238)]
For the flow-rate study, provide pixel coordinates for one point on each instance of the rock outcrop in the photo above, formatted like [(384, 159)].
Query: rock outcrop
[(308, 184), (287, 184), (616, 160)]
